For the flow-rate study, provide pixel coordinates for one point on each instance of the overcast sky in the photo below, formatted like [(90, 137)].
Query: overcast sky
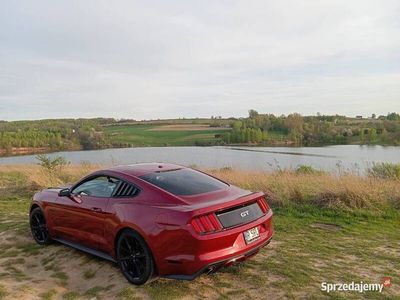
[(166, 59)]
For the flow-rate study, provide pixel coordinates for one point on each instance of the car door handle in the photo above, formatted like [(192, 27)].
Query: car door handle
[(96, 209)]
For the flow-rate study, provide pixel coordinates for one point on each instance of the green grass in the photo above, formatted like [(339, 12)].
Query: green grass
[(348, 245), (30, 248), (3, 292), (48, 295), (160, 290), (71, 295), (277, 136), (128, 293), (89, 274), (385, 171), (141, 135), (62, 277), (311, 244), (95, 291)]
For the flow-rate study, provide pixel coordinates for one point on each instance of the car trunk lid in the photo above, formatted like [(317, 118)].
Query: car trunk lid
[(231, 207)]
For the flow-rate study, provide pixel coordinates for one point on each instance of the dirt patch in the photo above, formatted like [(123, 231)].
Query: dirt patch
[(22, 150), (28, 271)]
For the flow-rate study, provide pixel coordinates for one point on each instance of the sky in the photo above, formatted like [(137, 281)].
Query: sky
[(169, 59)]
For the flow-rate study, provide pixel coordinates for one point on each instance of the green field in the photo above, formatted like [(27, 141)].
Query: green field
[(42, 136), (146, 135)]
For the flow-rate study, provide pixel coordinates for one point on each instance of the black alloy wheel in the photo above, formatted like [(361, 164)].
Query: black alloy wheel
[(38, 227), (134, 257)]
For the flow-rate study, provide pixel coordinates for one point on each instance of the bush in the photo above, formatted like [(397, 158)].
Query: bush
[(51, 164), (306, 169), (385, 170)]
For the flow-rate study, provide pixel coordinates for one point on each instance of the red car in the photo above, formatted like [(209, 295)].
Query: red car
[(155, 219)]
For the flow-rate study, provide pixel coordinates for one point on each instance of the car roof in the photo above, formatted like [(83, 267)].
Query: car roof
[(144, 168)]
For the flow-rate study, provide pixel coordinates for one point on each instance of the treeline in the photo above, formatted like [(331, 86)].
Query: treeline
[(314, 130), (257, 128), (62, 134)]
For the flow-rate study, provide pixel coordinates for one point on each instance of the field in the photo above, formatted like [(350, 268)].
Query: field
[(327, 228), (163, 135), (53, 135)]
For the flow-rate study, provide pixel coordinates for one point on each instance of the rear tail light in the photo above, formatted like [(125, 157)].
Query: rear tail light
[(206, 224), (263, 205)]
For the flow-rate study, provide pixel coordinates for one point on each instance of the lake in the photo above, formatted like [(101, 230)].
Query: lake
[(344, 157)]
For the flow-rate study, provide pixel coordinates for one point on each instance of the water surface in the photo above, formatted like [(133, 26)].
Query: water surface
[(343, 157)]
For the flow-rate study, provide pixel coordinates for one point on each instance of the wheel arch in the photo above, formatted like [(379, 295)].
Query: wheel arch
[(34, 206)]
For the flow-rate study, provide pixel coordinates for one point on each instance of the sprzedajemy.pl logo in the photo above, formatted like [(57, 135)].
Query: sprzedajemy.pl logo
[(360, 287)]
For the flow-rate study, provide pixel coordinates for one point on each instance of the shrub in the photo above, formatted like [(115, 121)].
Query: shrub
[(306, 169), (385, 170), (51, 164)]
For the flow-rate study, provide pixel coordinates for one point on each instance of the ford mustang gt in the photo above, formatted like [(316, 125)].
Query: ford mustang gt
[(155, 219)]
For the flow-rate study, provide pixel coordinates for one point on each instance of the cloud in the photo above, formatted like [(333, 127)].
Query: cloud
[(159, 59)]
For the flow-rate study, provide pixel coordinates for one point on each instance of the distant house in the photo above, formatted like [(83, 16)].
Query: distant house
[(359, 117)]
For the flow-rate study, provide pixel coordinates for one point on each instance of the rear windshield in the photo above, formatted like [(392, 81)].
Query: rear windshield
[(184, 182)]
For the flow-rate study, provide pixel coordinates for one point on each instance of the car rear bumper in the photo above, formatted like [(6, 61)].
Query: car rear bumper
[(214, 267), (212, 251)]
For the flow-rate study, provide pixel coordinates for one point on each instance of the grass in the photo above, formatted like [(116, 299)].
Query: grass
[(159, 290), (94, 292), (306, 169), (48, 295), (89, 274), (148, 135), (3, 292), (128, 293), (344, 192), (327, 228), (347, 244), (71, 296), (385, 170), (62, 278)]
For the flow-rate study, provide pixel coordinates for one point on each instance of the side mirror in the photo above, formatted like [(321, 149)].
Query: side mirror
[(64, 193)]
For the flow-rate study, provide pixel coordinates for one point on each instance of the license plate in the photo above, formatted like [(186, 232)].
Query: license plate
[(251, 235)]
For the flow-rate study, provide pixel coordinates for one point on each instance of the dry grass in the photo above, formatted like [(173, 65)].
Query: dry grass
[(282, 188), (323, 189), (38, 177)]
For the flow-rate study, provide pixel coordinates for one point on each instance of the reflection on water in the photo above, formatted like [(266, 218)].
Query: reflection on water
[(280, 152), (346, 157)]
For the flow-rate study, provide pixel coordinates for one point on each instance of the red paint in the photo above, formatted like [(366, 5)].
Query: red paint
[(182, 232)]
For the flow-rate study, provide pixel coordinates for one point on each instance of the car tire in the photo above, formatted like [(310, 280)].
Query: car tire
[(38, 225), (134, 257)]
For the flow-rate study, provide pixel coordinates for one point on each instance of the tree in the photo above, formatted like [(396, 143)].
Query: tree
[(253, 113), (372, 135), (385, 135), (295, 123), (362, 134), (393, 116), (264, 135), (259, 135), (237, 125)]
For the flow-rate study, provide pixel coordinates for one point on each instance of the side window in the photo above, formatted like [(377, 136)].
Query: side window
[(102, 186)]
